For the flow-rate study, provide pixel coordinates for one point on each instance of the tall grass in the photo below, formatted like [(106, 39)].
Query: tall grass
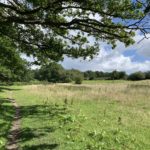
[(127, 93)]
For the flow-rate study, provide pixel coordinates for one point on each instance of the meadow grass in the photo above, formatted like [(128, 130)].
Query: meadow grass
[(104, 81), (92, 116)]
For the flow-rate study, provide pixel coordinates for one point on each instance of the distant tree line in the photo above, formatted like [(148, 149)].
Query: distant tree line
[(116, 75), (55, 73)]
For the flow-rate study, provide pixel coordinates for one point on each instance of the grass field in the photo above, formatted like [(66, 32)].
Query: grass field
[(113, 115)]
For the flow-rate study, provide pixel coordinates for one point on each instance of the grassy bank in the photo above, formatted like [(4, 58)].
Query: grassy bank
[(93, 116)]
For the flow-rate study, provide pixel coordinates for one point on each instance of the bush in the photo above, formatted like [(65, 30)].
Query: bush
[(78, 80), (147, 75), (67, 80), (137, 76)]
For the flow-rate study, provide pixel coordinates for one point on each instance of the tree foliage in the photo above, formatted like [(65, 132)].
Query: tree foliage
[(147, 7), (137, 76), (116, 75), (50, 29), (51, 73), (54, 72), (95, 75), (12, 66), (147, 75)]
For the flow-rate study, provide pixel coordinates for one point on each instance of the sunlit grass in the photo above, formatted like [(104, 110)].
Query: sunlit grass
[(100, 115)]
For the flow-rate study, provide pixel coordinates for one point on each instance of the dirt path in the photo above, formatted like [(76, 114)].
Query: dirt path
[(14, 131)]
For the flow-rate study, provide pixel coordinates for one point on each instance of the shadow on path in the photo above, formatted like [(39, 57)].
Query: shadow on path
[(41, 147), (6, 117), (13, 135), (40, 113), (26, 134), (4, 88)]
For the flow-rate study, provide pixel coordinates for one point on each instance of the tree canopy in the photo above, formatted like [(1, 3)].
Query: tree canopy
[(54, 72), (12, 66), (50, 29)]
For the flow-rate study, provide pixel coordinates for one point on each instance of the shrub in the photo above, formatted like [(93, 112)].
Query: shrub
[(137, 76), (78, 80), (147, 75), (67, 80)]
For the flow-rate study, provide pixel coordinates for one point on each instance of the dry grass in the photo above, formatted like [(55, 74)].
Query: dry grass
[(126, 93)]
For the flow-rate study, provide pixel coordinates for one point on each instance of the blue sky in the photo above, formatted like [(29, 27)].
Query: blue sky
[(130, 59), (135, 56)]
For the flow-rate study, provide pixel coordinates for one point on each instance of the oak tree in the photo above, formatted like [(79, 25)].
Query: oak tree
[(12, 66), (50, 29)]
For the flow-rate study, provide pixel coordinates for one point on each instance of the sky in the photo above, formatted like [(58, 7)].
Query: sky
[(129, 59)]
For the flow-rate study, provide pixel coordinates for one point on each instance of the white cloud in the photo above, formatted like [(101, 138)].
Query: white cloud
[(141, 46), (109, 60)]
